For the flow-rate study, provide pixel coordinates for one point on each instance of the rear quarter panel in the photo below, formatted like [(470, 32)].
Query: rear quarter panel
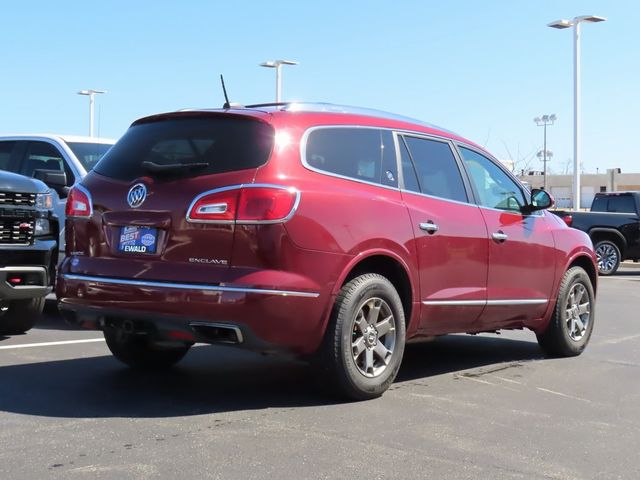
[(340, 219)]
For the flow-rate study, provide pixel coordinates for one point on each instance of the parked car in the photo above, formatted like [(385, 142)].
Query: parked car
[(613, 225), (35, 155), (335, 233), (28, 250)]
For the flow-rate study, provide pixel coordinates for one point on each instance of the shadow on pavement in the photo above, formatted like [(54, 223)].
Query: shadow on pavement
[(216, 379), (454, 353), (51, 319)]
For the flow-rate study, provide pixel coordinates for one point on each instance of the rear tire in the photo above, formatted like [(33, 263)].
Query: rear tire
[(365, 339), (21, 315), (138, 352), (571, 324), (609, 256)]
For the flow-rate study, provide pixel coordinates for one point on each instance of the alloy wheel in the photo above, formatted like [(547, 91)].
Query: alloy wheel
[(578, 311), (607, 257), (373, 337)]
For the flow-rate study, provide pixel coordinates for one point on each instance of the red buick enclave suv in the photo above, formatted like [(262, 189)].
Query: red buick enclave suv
[(334, 233)]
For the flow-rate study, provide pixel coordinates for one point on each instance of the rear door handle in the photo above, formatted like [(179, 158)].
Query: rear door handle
[(499, 236), (429, 227)]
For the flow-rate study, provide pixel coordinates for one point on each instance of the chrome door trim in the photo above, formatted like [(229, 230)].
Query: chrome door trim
[(188, 286), (456, 303), (489, 303), (531, 301)]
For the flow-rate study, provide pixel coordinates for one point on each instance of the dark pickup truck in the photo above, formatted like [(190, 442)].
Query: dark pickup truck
[(28, 250), (613, 225)]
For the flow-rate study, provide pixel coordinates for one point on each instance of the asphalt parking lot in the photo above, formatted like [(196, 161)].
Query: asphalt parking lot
[(463, 407)]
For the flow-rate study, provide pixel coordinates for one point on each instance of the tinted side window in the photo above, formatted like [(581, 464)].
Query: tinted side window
[(409, 176), (495, 188), (41, 156), (359, 153), (437, 169), (622, 204), (6, 149)]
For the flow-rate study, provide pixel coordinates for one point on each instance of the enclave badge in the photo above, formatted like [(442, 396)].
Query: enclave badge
[(136, 195)]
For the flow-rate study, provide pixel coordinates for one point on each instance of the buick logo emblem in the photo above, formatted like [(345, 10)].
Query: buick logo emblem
[(136, 195)]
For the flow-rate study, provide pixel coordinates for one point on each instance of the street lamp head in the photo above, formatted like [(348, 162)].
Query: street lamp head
[(560, 24), (277, 63), (545, 120), (589, 19), (90, 92)]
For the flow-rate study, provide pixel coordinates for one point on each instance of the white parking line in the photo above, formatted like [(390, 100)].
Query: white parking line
[(51, 344)]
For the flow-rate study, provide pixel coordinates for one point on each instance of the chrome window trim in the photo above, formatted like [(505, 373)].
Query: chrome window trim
[(442, 199), (245, 222), (489, 303), (86, 192), (537, 213), (188, 286)]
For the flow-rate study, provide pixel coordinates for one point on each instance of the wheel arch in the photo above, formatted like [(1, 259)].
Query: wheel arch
[(586, 263), (598, 234), (389, 265)]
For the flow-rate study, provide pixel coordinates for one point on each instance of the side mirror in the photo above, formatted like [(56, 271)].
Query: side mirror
[(540, 200), (54, 179)]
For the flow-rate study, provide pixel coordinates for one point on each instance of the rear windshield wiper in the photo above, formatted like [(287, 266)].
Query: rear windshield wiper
[(172, 167)]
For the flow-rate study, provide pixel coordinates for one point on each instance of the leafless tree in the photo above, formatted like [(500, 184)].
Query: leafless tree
[(522, 162)]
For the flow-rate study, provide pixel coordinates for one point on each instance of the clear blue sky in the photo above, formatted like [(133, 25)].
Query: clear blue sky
[(484, 69)]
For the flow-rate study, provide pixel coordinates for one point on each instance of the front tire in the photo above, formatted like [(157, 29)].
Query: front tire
[(20, 315), (608, 256), (365, 338), (139, 352), (571, 325)]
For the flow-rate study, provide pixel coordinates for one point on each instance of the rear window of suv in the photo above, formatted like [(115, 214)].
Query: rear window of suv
[(187, 146), (359, 153)]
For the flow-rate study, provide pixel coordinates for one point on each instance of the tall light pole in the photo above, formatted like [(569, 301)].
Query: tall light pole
[(91, 93), (277, 64), (543, 122), (575, 23)]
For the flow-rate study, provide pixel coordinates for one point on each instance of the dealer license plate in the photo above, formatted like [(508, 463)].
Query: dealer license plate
[(138, 240)]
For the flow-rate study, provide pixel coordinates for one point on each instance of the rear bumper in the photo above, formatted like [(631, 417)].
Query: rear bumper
[(266, 319)]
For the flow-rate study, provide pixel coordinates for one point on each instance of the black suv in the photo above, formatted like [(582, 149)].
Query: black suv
[(28, 250)]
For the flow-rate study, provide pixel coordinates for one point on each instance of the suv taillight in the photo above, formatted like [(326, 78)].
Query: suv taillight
[(568, 219), (78, 203), (245, 204)]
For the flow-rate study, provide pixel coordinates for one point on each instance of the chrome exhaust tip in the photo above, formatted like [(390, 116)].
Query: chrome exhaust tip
[(218, 332)]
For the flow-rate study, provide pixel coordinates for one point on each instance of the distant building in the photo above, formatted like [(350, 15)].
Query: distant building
[(560, 186)]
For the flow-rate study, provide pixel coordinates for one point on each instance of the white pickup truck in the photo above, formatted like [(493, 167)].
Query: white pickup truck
[(47, 157)]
